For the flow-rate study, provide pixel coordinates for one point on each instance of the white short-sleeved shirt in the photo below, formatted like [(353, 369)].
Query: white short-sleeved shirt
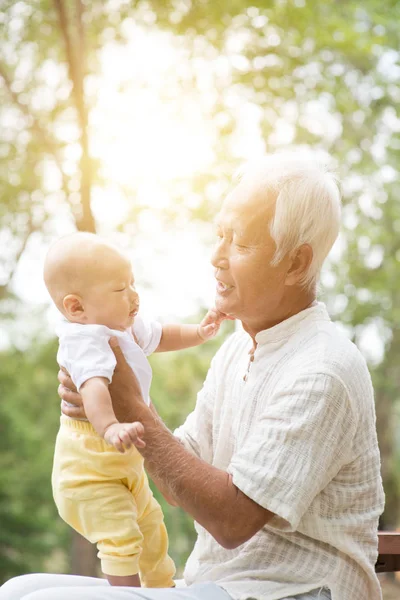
[(84, 350), (299, 438)]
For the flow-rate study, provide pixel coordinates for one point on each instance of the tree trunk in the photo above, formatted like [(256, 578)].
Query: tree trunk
[(387, 386), (83, 554), (76, 59), (84, 559)]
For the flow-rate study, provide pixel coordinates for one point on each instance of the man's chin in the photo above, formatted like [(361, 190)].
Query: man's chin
[(224, 306)]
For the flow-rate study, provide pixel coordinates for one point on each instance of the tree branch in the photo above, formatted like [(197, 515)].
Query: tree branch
[(30, 230), (49, 143), (76, 74)]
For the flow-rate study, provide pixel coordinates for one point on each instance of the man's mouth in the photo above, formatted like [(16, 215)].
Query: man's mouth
[(134, 312), (223, 288)]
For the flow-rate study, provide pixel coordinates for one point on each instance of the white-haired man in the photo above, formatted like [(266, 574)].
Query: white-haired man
[(278, 463)]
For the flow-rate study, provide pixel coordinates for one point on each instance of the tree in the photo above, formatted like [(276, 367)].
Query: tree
[(288, 72)]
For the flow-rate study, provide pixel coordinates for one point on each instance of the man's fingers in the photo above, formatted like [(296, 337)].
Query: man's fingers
[(71, 411), (65, 379), (119, 355), (68, 395), (124, 381)]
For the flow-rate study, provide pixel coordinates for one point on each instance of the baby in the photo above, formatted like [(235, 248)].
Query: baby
[(99, 483)]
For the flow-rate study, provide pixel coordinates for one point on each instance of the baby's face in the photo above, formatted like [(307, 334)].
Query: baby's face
[(113, 302)]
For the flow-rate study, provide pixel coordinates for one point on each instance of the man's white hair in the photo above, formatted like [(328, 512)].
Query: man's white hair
[(307, 204)]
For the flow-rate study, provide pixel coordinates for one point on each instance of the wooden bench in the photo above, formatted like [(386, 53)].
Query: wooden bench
[(389, 552)]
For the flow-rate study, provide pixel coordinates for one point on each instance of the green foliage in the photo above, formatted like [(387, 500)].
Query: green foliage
[(30, 532), (328, 71)]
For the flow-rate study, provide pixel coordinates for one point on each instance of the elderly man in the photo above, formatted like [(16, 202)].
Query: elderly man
[(278, 464)]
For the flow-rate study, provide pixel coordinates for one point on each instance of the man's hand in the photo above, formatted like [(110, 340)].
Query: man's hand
[(211, 323), (125, 391), (125, 435), (67, 392)]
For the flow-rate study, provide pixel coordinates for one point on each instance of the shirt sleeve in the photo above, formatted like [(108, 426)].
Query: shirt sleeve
[(147, 333), (85, 356), (297, 446), (196, 433)]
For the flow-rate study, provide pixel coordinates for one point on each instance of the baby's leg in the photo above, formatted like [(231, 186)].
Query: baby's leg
[(157, 569), (105, 513), (91, 497)]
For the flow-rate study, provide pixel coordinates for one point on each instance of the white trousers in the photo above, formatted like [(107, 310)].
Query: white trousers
[(41, 586)]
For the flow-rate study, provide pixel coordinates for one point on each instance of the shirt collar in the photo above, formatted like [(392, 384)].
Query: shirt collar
[(316, 312)]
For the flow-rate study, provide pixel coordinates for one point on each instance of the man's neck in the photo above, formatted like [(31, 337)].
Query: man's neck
[(286, 310)]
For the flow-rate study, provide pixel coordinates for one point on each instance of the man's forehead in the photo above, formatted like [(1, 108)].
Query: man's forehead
[(242, 207)]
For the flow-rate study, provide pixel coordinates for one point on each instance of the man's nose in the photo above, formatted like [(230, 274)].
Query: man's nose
[(219, 258)]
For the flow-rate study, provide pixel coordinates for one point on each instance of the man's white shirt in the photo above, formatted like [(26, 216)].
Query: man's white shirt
[(84, 350), (299, 438)]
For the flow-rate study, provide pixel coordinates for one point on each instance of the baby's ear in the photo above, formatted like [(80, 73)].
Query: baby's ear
[(73, 306)]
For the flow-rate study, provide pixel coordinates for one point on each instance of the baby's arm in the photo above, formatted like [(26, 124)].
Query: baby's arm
[(98, 408), (178, 337)]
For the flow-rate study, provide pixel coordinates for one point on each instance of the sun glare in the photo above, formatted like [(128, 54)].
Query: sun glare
[(144, 130)]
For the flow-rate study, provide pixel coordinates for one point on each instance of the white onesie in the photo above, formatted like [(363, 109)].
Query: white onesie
[(84, 351)]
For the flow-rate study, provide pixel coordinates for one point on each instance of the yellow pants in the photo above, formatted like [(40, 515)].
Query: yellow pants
[(105, 496)]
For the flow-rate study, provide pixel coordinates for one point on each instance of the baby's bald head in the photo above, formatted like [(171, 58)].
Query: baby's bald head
[(76, 263)]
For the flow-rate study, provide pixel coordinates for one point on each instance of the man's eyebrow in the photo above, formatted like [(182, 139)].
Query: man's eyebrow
[(219, 225)]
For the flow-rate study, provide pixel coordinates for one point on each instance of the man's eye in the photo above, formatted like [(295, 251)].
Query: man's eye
[(121, 290)]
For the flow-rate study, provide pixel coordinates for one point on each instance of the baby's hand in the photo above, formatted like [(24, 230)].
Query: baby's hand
[(124, 435), (211, 323)]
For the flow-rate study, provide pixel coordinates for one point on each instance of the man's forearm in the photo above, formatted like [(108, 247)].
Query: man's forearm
[(160, 485), (203, 491)]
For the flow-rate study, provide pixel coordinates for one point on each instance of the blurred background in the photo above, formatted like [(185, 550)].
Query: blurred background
[(129, 119)]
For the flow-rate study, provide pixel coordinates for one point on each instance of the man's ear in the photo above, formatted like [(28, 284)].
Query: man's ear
[(300, 263), (73, 306)]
